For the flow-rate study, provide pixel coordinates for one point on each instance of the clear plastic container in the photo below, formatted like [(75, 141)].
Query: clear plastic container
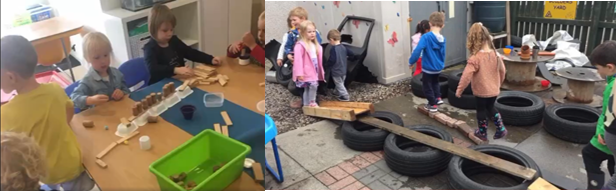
[(214, 99)]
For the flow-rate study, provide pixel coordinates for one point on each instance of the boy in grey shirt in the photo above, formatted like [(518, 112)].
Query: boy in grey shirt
[(337, 63)]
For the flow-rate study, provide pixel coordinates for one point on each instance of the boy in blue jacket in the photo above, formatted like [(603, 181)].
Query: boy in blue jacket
[(432, 45), (297, 16)]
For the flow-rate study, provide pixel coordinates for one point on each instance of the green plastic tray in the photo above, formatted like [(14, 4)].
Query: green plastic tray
[(197, 157)]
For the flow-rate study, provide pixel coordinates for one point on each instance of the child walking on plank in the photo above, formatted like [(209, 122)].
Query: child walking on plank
[(308, 67), (486, 71)]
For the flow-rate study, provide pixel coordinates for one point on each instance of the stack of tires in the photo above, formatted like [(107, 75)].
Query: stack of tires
[(574, 123), (467, 100), (417, 85)]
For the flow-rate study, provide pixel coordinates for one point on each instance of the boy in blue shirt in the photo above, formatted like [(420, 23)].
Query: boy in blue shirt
[(432, 45)]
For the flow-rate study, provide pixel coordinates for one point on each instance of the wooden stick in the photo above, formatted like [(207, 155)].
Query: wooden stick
[(225, 130), (131, 118), (104, 152), (258, 172), (542, 184), (482, 158), (217, 128), (262, 84), (508, 20), (222, 81), (101, 163), (225, 116), (127, 137)]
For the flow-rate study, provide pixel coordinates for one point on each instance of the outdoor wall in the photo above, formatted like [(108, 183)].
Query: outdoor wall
[(387, 56)]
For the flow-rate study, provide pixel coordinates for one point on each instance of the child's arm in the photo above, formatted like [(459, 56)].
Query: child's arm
[(298, 66), (155, 68), (281, 51), (193, 54), (124, 87), (319, 37), (259, 54), (417, 52), (332, 58), (80, 95), (469, 71), (289, 45), (350, 54)]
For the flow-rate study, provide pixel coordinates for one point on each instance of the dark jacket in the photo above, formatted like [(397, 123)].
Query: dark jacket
[(162, 61), (292, 39), (337, 62)]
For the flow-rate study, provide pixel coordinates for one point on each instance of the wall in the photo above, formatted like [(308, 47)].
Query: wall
[(388, 62)]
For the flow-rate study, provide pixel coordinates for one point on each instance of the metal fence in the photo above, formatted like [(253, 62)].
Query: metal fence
[(595, 22)]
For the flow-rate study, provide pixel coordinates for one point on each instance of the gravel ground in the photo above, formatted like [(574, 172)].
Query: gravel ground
[(278, 98)]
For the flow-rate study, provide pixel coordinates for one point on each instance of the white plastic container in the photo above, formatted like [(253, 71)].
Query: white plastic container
[(142, 119), (244, 62), (172, 100), (144, 142), (158, 109), (187, 91), (123, 131), (261, 106), (215, 99)]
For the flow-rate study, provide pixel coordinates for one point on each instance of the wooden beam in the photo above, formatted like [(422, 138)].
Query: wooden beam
[(542, 184), (345, 114), (508, 17), (485, 159), (127, 137), (225, 116), (217, 128), (361, 105), (104, 152)]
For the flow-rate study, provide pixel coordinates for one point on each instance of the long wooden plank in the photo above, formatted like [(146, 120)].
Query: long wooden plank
[(345, 114), (359, 105), (107, 150), (542, 184), (485, 159)]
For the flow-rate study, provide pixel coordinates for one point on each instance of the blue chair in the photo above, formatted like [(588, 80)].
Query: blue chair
[(136, 73), (270, 136), (69, 90)]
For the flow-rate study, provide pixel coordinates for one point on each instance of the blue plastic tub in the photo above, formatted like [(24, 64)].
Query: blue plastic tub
[(270, 129)]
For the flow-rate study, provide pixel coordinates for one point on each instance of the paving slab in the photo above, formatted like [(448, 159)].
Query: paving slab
[(391, 182), (317, 146), (377, 185), (374, 176), (558, 156), (365, 171), (307, 184), (293, 172), (383, 166)]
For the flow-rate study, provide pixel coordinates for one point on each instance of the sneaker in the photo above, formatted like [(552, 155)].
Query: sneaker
[(313, 104), (431, 108), (439, 101), (343, 98), (500, 134), (481, 135)]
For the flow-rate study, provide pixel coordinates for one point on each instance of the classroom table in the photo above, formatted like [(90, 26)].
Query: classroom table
[(128, 165)]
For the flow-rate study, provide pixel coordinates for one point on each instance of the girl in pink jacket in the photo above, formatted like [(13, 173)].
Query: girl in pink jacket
[(422, 28), (308, 66)]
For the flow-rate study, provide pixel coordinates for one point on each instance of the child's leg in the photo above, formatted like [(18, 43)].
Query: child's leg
[(610, 140), (501, 131), (482, 122), (306, 96), (81, 182), (592, 163), (341, 90), (426, 81), (436, 87), (312, 94)]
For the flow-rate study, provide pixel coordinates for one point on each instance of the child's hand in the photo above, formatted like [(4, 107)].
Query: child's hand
[(97, 99), (117, 94), (300, 78), (290, 57), (458, 94), (235, 47), (279, 62), (600, 139), (184, 71), (249, 40), (216, 61)]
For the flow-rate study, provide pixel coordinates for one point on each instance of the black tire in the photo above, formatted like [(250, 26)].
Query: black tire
[(417, 85), (571, 122), (461, 170), (454, 80), (519, 108), (415, 159), (363, 137), (464, 102), (271, 52), (294, 89), (284, 73)]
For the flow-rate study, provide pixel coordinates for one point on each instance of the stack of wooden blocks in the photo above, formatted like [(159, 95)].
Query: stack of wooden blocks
[(453, 123), (205, 75)]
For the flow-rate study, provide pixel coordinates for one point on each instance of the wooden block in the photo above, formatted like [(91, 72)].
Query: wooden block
[(423, 110), (262, 84), (204, 68), (344, 114), (159, 97), (205, 83), (351, 105), (145, 105), (475, 139), (152, 119), (225, 130), (210, 80), (225, 77), (258, 172), (127, 137), (542, 184), (131, 118), (135, 110), (125, 121), (104, 152), (184, 85), (482, 158), (464, 128), (222, 81), (139, 108), (225, 116), (88, 123), (217, 128), (101, 163)]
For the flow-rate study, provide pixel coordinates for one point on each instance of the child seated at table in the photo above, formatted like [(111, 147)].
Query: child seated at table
[(23, 163), (165, 52), (256, 48), (42, 111), (102, 82)]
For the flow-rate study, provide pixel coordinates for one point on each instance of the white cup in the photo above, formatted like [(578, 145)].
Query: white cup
[(144, 142)]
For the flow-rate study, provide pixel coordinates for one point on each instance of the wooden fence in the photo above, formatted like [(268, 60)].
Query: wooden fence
[(595, 22)]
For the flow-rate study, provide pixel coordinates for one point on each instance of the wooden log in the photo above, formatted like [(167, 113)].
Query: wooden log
[(135, 110), (580, 91), (344, 114), (139, 108), (522, 74), (225, 116), (542, 184), (88, 123), (159, 96), (482, 158), (104, 152)]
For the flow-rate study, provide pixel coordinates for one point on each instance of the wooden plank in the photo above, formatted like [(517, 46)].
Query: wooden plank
[(104, 152), (127, 137), (204, 67), (225, 116), (101, 163), (225, 130), (542, 184), (362, 105), (345, 114), (485, 159), (258, 172), (217, 128)]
